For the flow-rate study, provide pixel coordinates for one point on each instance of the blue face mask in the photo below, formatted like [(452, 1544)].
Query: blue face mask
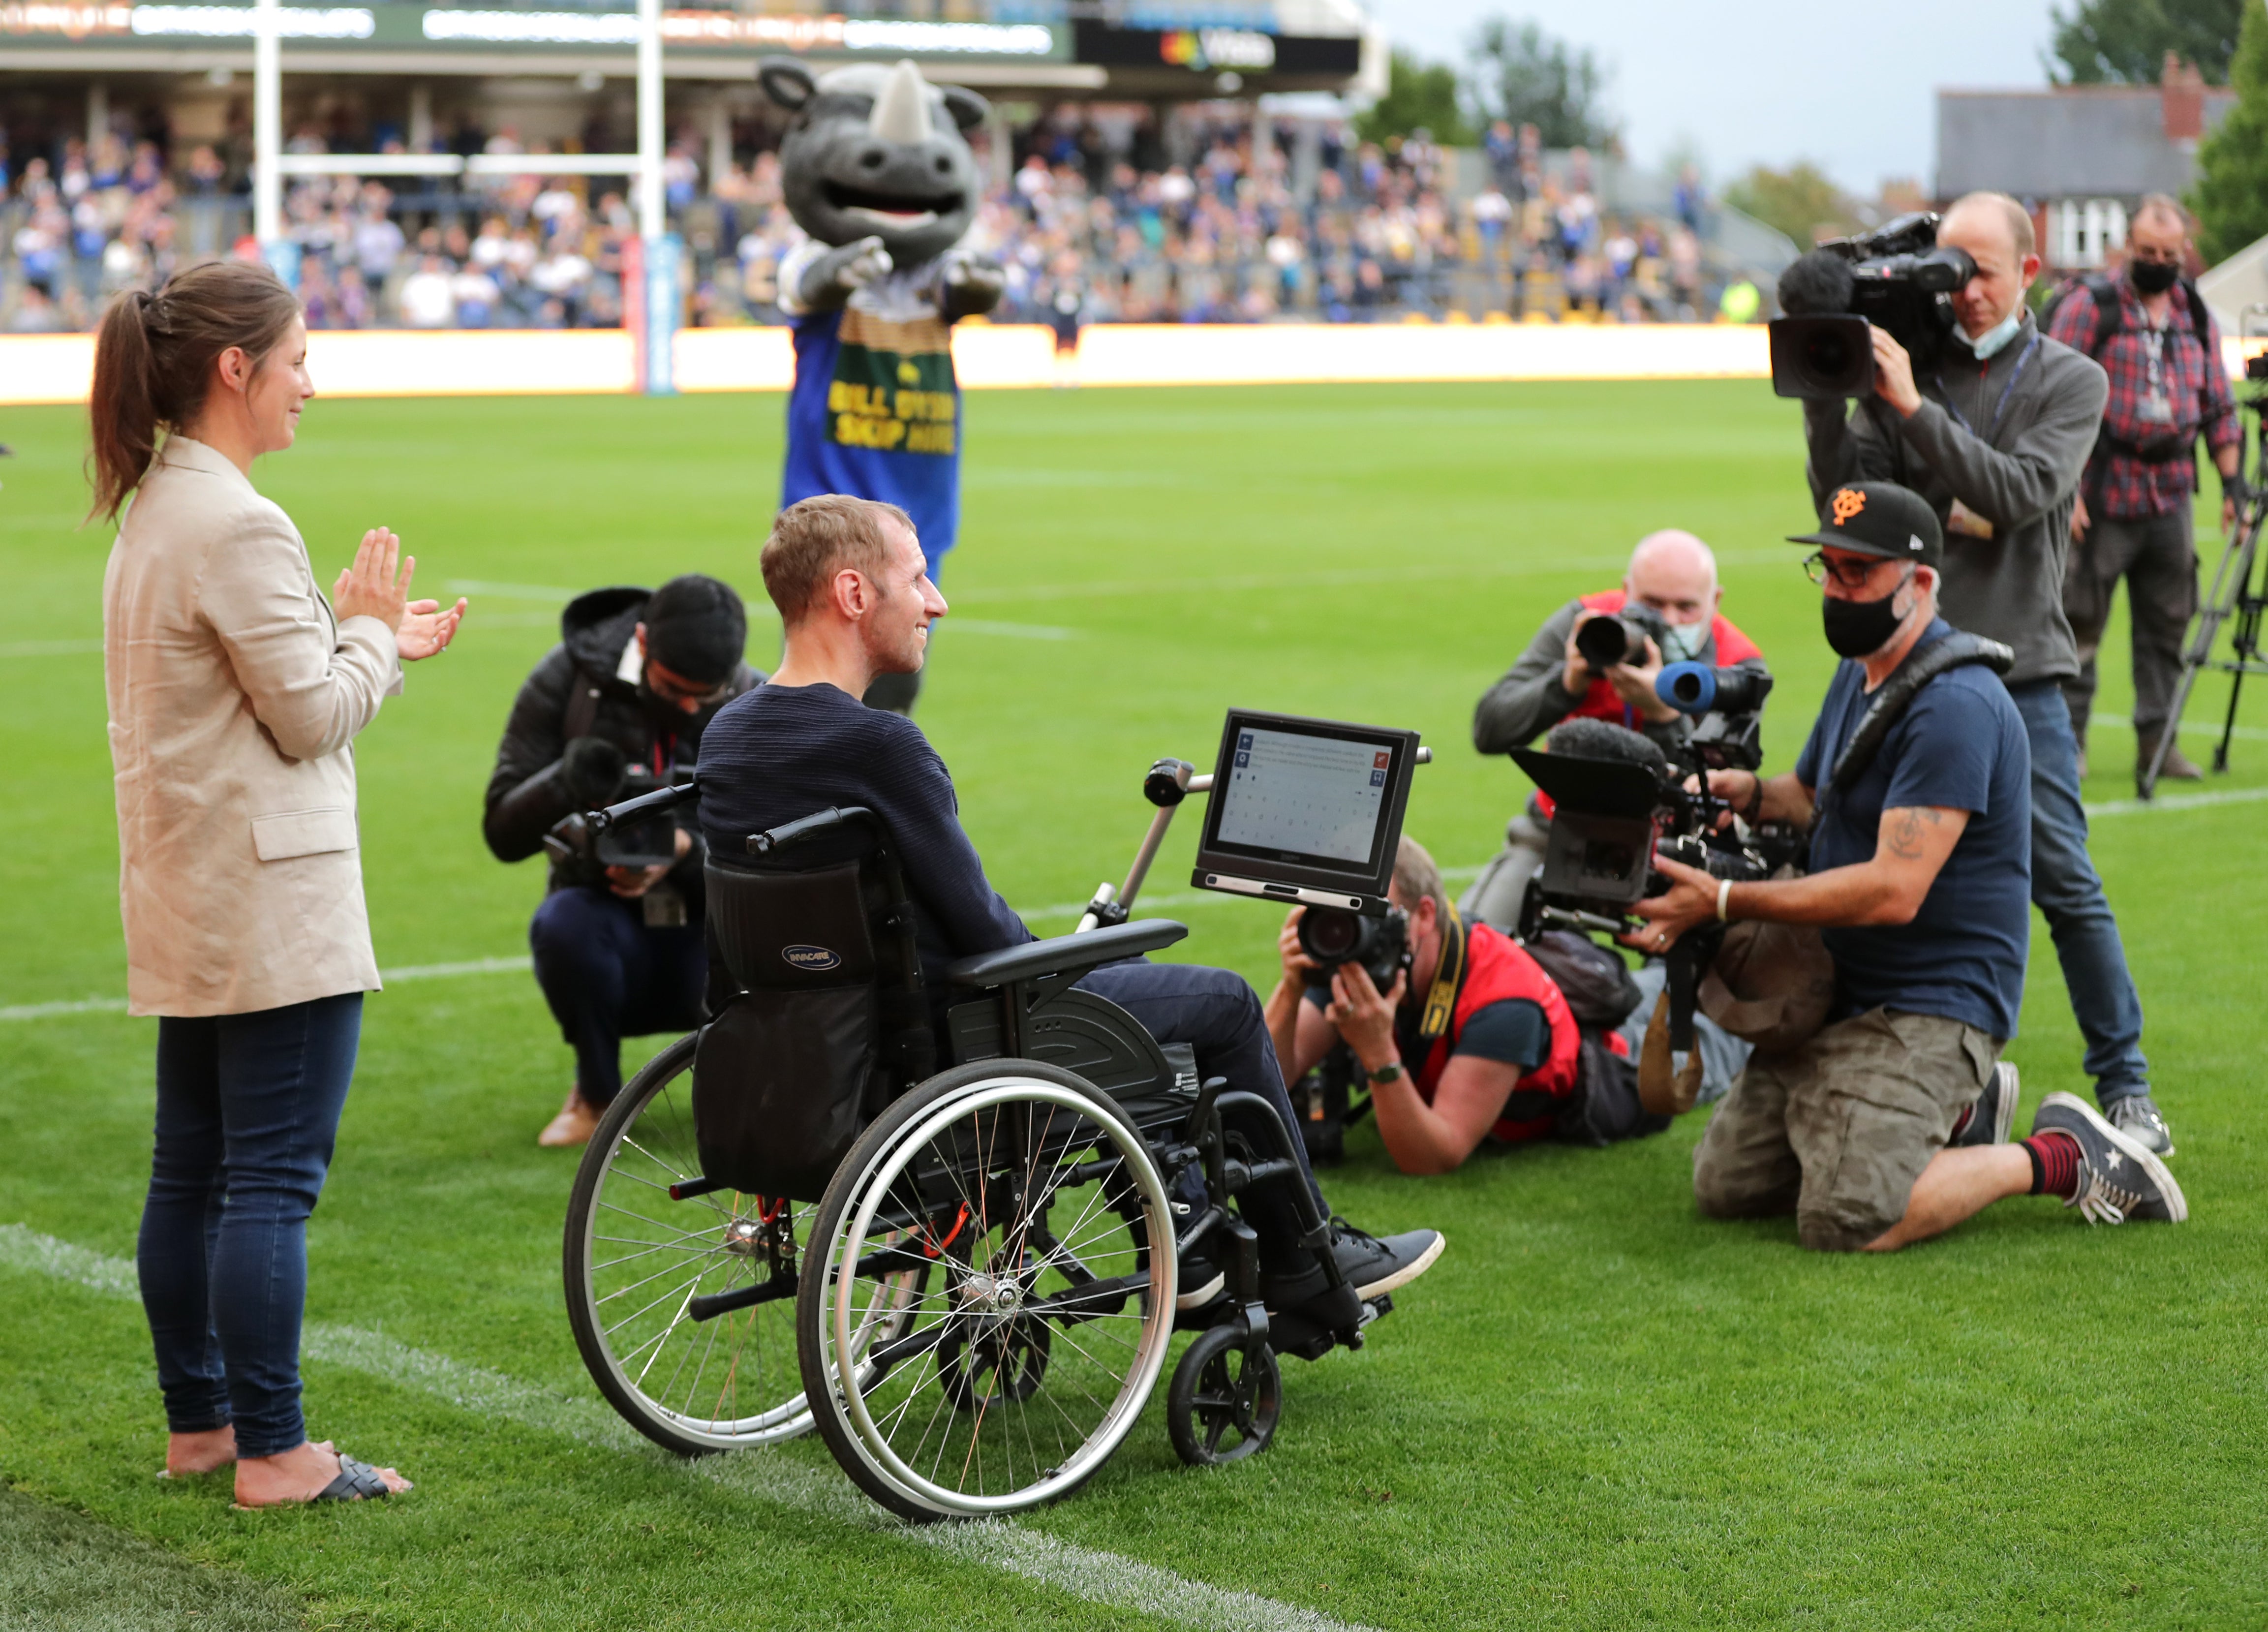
[(1996, 336)]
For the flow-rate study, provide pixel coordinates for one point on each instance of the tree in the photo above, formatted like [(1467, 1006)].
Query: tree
[(1418, 96), (1798, 201), (2125, 41), (1522, 75), (2231, 194)]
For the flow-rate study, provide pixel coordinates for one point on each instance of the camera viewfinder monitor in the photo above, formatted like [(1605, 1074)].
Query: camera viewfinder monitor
[(1306, 810)]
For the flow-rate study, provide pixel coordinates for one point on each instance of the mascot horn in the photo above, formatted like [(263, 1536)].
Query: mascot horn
[(877, 171)]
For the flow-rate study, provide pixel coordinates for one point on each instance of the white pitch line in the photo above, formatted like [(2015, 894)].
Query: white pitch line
[(2179, 802), (1109, 1579)]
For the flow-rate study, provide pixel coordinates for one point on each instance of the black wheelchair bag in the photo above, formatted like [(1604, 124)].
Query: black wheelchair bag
[(790, 1070)]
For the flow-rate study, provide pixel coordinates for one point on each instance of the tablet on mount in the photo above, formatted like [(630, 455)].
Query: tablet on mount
[(1306, 810)]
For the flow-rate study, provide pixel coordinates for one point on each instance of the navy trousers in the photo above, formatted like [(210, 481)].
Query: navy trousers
[(248, 1110), (1219, 1016), (607, 976)]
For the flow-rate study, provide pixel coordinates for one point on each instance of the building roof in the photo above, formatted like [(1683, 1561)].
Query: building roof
[(2077, 142)]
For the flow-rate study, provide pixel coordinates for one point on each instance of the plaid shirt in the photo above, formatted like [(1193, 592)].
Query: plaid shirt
[(2196, 388)]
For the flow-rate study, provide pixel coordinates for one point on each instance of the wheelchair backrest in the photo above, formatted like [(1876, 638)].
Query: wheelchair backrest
[(792, 931)]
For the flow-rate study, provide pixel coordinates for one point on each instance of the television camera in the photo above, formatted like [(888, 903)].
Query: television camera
[(1897, 277), (1620, 801)]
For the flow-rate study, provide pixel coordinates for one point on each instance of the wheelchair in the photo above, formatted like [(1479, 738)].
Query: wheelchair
[(952, 1246)]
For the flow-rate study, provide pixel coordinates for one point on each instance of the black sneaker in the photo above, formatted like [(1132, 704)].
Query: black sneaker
[(2138, 1116), (2120, 1181), (1992, 1118), (1202, 1281), (1373, 1265)]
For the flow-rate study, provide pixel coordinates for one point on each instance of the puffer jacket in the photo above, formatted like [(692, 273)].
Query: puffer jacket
[(528, 793)]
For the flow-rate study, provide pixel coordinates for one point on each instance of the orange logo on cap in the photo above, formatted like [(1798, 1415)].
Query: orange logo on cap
[(1848, 501)]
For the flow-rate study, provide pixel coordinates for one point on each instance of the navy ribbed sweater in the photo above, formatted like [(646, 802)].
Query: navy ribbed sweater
[(778, 753)]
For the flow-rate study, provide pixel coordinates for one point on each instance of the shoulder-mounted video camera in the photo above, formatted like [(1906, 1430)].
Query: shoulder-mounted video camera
[(1897, 277)]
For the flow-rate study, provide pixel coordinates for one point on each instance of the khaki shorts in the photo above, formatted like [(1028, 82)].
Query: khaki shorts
[(1837, 1131)]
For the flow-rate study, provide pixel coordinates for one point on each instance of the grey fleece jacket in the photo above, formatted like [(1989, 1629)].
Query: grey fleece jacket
[(1530, 700), (2021, 477)]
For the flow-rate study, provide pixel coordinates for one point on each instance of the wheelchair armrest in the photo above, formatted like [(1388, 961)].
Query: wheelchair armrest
[(1064, 954)]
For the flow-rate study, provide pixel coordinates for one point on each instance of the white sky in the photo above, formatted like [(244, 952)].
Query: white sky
[(1845, 84)]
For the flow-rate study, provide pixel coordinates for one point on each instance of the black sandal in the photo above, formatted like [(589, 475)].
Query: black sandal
[(356, 1481)]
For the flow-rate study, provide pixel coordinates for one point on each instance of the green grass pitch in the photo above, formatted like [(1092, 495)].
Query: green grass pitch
[(1597, 1411)]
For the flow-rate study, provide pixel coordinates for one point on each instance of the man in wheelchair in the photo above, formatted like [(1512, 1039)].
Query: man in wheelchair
[(855, 600)]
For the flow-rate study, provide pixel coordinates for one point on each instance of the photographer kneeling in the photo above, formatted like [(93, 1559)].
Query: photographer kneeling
[(1597, 658), (1496, 1046), (617, 707), (1886, 1126)]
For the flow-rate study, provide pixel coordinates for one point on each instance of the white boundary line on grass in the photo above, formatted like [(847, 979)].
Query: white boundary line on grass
[(1106, 1578)]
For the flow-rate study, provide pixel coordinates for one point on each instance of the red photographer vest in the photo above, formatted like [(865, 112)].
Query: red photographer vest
[(1490, 969), (1600, 702)]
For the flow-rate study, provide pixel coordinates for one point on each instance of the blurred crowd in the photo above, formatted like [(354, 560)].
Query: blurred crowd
[(1222, 217)]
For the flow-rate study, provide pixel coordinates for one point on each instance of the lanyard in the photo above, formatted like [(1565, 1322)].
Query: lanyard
[(2006, 391)]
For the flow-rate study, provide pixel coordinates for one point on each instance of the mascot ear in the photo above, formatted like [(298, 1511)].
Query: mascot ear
[(787, 81), (967, 108)]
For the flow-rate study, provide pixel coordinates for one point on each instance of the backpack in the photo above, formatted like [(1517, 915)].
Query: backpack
[(2110, 320)]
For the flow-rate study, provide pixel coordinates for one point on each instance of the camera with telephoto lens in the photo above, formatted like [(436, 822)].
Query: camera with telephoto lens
[(1611, 638), (1334, 937), (1897, 277)]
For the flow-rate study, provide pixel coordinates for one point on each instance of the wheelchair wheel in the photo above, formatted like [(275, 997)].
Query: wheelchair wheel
[(636, 1261), (1015, 1369), (1225, 1398)]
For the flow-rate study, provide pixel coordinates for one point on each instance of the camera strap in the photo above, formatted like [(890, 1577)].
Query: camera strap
[(2006, 391), (1889, 705), (1448, 976)]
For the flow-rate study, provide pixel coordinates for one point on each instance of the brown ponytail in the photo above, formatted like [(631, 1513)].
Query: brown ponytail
[(154, 356)]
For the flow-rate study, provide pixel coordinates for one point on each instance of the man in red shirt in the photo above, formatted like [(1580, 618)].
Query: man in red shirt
[(2135, 511), (1673, 575), (1472, 1041)]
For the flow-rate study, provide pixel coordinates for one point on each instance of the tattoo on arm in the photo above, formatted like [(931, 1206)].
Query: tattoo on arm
[(1903, 832)]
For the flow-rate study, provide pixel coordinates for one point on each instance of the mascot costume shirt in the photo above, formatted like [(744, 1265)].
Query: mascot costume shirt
[(877, 171)]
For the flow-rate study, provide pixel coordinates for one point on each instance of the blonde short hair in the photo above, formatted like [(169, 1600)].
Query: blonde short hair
[(2019, 219), (815, 538), (1416, 878)]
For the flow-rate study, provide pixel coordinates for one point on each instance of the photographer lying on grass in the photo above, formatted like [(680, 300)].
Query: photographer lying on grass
[(1887, 1126)]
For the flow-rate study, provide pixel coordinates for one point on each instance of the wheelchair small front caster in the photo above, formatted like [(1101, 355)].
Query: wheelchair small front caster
[(1225, 1398)]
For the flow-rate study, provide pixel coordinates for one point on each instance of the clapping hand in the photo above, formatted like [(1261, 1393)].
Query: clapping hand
[(425, 628)]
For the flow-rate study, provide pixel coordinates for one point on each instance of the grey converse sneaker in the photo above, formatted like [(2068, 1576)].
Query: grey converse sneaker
[(1992, 1118), (2138, 1116), (2119, 1182)]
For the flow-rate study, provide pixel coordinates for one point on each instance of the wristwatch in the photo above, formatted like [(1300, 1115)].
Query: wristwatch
[(1385, 1073)]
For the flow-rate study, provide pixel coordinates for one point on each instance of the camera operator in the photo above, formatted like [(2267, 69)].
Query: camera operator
[(623, 698), (1495, 1044), (1670, 592), (2134, 516), (1887, 1126), (1996, 450)]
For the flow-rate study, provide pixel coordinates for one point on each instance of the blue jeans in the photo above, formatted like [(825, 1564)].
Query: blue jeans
[(1219, 1016), (2068, 891), (607, 976), (247, 1109)]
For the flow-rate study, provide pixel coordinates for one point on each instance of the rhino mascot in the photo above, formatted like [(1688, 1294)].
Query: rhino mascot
[(877, 171)]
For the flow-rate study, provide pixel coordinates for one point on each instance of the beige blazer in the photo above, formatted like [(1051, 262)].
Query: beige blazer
[(235, 696)]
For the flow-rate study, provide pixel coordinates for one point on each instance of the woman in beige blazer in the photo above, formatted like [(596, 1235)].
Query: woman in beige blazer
[(235, 693)]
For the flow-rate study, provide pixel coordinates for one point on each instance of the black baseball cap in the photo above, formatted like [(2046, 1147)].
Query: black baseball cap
[(1878, 519)]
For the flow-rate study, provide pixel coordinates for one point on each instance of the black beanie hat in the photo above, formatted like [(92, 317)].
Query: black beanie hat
[(695, 627)]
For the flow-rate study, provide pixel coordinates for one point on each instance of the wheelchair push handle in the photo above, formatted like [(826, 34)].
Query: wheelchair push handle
[(634, 811), (790, 834)]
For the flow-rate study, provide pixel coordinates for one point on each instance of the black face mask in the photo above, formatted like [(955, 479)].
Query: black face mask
[(2153, 277), (1856, 627)]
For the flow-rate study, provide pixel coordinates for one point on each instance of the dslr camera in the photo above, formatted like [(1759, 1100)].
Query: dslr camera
[(1612, 638), (1897, 277), (649, 843)]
